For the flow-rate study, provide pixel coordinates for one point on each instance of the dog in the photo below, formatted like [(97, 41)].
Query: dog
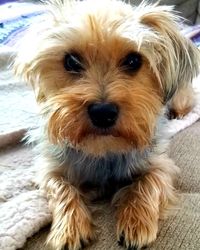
[(104, 74)]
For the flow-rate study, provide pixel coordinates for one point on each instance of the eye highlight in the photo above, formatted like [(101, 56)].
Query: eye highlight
[(132, 62), (72, 63)]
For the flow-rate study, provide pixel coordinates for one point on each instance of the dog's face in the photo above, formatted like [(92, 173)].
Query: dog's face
[(103, 71)]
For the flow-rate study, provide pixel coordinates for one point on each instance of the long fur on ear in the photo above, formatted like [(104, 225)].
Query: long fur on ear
[(30, 53), (40, 37), (25, 64), (179, 58)]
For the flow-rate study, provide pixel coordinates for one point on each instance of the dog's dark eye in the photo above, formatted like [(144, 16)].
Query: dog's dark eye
[(72, 63), (132, 62)]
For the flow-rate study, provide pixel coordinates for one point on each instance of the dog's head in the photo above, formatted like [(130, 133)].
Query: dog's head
[(102, 71)]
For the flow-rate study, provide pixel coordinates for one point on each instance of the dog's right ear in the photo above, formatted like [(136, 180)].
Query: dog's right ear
[(37, 45), (25, 62), (30, 52)]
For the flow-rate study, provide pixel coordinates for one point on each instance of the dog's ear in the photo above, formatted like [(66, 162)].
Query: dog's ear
[(29, 54), (25, 63), (179, 58), (30, 57)]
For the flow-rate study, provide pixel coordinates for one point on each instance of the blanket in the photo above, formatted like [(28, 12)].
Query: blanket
[(23, 208)]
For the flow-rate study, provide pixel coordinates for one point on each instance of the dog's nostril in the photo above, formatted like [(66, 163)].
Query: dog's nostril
[(103, 115)]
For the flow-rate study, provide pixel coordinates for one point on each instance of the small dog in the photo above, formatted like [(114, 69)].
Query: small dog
[(103, 73)]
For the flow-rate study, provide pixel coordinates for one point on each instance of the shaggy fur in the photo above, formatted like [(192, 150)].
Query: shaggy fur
[(80, 163)]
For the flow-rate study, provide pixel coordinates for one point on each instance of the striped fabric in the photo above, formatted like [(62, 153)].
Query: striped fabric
[(15, 18)]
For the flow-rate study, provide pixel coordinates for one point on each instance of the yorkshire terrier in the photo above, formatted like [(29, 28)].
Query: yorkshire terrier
[(103, 74)]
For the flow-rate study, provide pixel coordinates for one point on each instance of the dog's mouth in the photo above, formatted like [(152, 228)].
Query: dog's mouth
[(96, 132)]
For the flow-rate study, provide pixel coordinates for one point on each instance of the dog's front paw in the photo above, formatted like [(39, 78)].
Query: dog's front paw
[(73, 231), (136, 228)]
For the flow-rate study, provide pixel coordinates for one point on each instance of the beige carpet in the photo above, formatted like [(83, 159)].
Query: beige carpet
[(181, 231)]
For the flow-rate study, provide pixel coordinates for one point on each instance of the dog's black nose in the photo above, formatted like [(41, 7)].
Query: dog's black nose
[(103, 115)]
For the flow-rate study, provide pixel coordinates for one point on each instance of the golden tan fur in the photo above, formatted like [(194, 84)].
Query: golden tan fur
[(71, 149), (72, 223), (140, 205), (139, 98)]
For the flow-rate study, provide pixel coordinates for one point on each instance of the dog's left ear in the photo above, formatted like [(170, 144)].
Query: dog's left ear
[(179, 59)]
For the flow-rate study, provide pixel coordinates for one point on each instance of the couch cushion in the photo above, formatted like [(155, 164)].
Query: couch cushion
[(198, 14), (185, 148), (188, 9)]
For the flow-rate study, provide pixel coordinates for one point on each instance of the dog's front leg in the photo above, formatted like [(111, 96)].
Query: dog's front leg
[(140, 205), (72, 226)]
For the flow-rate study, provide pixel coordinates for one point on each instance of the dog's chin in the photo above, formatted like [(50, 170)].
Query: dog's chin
[(102, 143)]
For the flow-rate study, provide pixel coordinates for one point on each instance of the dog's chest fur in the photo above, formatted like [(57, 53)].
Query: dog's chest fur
[(104, 175)]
